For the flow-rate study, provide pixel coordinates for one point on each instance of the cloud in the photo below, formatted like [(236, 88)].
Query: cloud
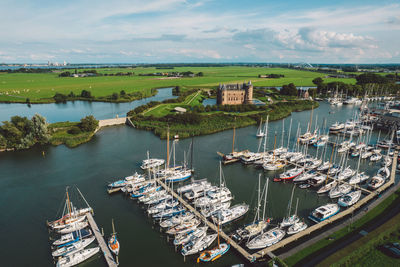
[(393, 20)]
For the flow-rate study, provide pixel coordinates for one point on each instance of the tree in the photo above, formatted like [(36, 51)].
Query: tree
[(88, 124), (289, 89), (114, 96), (11, 133), (71, 94), (3, 142), (122, 93), (60, 98), (200, 74), (39, 129), (86, 94), (371, 78), (318, 81)]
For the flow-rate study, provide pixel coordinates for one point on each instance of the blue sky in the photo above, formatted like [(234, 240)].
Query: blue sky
[(150, 31)]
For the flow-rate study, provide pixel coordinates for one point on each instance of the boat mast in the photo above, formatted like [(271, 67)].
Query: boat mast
[(297, 204), (289, 133), (258, 198), (69, 203), (113, 228), (265, 199), (84, 199), (290, 203), (233, 140), (283, 131), (266, 134), (167, 166), (311, 114)]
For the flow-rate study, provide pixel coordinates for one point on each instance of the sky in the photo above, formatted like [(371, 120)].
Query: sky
[(170, 31)]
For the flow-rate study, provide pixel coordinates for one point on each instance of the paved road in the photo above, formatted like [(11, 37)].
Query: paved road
[(334, 247)]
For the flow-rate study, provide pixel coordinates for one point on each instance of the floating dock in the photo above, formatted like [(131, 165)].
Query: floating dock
[(100, 240)]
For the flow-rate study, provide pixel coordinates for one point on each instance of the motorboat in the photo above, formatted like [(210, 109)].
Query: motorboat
[(197, 245), (163, 206), (250, 230), (152, 163), (184, 227), (358, 178), (324, 212), (177, 219), (198, 191), (222, 194), (266, 239), (317, 180), (169, 213), (77, 257), (384, 172), (274, 165), (225, 216), (183, 238), (376, 182), (210, 210), (296, 228), (195, 184), (349, 199), (336, 127)]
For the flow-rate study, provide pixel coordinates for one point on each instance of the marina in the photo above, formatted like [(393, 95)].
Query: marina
[(119, 158)]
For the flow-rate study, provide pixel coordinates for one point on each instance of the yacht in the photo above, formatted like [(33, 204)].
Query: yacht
[(225, 216), (345, 174), (326, 188), (77, 257), (290, 174), (325, 166), (350, 198), (266, 239), (376, 182), (184, 227), (72, 248), (184, 238), (210, 210), (296, 228), (358, 178), (339, 190), (317, 180), (151, 163), (336, 127), (384, 172), (221, 195), (177, 219), (324, 212), (274, 165), (197, 245)]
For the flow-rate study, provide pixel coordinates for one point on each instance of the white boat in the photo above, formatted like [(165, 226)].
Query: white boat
[(266, 239), (375, 157), (72, 227), (350, 198), (366, 154), (384, 172), (72, 248), (197, 245), (162, 206), (152, 163), (288, 221), (317, 180), (198, 191), (210, 210), (345, 174), (178, 176), (304, 177), (296, 228), (274, 165), (328, 187), (212, 197), (325, 166), (387, 161), (69, 222), (184, 227), (336, 127), (225, 216), (77, 257), (296, 156), (251, 157), (175, 220), (324, 212), (260, 132), (72, 237), (339, 190), (186, 237), (195, 184), (376, 182), (292, 173), (358, 178), (314, 163)]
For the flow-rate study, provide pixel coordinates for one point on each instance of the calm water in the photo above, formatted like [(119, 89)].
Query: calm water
[(33, 189), (74, 111)]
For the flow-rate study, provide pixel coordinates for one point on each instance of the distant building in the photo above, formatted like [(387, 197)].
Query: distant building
[(235, 94)]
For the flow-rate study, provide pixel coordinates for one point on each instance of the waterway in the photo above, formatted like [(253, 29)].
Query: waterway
[(33, 185), (75, 110)]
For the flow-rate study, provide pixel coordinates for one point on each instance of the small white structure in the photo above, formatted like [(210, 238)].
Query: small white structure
[(179, 110)]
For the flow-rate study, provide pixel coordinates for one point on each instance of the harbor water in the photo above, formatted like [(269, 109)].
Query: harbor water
[(34, 182)]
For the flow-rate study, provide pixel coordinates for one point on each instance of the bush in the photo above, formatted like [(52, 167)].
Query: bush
[(114, 96), (60, 98), (88, 124), (74, 130), (86, 94)]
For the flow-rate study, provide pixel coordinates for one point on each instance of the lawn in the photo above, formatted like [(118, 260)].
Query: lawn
[(42, 86)]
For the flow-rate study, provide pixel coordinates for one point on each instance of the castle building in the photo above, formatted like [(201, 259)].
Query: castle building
[(235, 94)]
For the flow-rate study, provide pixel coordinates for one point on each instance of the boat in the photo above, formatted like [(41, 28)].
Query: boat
[(225, 216), (260, 132), (73, 227), (350, 198), (375, 157), (184, 227), (113, 243), (304, 177), (345, 174), (296, 228), (259, 224), (324, 212), (376, 182), (198, 191), (151, 163), (292, 173), (195, 184), (384, 172), (72, 248), (169, 204), (304, 186), (266, 239), (317, 180), (290, 219), (339, 190), (274, 166), (177, 219), (212, 209), (72, 237), (336, 127), (326, 188), (178, 176), (184, 238), (169, 213), (197, 245), (77, 257), (325, 166), (358, 178)]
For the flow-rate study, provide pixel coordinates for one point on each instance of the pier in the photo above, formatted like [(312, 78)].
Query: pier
[(212, 226), (100, 240), (340, 215)]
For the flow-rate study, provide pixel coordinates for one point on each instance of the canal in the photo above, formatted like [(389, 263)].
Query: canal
[(33, 185)]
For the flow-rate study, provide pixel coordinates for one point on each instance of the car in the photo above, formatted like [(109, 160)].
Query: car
[(392, 249)]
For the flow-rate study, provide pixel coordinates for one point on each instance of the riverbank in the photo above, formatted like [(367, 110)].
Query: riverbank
[(62, 133), (195, 124)]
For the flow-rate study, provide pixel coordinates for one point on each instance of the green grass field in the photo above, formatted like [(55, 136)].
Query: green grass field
[(39, 87)]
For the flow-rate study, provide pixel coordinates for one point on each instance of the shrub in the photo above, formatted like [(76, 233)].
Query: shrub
[(88, 124), (60, 98), (74, 130)]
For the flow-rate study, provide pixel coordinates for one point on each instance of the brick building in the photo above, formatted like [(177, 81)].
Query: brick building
[(235, 94)]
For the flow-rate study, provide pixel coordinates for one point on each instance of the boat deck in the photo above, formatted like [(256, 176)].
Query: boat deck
[(100, 240)]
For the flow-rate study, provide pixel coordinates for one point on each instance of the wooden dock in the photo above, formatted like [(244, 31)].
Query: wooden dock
[(100, 240), (212, 226), (348, 211)]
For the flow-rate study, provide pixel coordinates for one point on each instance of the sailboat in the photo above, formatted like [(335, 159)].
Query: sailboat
[(290, 219), (257, 226), (77, 257), (215, 253), (113, 243), (260, 132), (177, 175)]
